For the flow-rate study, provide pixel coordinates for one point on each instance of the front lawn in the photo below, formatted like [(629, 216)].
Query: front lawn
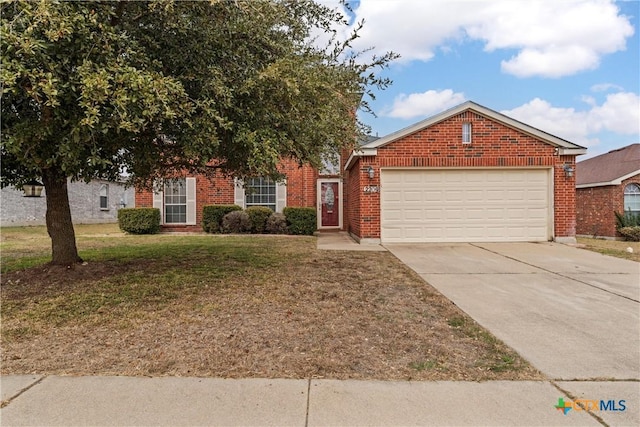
[(233, 306), (616, 248)]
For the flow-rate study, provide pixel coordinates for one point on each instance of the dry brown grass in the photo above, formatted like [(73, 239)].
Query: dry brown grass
[(614, 248), (242, 307)]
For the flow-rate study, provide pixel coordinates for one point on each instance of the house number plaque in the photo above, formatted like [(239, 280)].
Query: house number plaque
[(372, 189)]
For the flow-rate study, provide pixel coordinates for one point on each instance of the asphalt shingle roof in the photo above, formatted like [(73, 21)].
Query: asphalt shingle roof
[(609, 167)]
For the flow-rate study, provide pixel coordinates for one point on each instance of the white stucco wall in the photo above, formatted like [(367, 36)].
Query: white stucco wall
[(84, 200)]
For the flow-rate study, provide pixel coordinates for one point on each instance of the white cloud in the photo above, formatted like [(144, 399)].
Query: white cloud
[(606, 87), (619, 113), (552, 61), (566, 123), (423, 104), (550, 38)]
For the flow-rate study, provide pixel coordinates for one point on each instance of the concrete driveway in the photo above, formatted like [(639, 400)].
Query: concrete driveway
[(574, 314)]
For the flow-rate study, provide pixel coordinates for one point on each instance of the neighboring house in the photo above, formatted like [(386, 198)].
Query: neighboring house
[(469, 174), (606, 184), (95, 202)]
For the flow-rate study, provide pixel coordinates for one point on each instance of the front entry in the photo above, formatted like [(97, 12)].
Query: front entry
[(329, 209)]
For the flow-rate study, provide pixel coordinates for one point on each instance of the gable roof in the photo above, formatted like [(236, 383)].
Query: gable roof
[(610, 168), (484, 111), (564, 147)]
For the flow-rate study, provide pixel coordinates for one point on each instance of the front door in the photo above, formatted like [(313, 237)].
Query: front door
[(329, 202)]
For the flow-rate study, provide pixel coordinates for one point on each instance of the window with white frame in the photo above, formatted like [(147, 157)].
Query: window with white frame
[(261, 192), (466, 133), (632, 199), (175, 201), (104, 197)]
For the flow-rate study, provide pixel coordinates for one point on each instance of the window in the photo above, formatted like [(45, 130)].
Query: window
[(175, 201), (261, 192), (104, 197), (632, 199), (330, 166), (466, 133)]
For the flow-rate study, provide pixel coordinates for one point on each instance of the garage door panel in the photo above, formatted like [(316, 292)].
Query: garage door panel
[(475, 195), (412, 196), (516, 214), (453, 214), (394, 215), (413, 214), (434, 214), (495, 213), (453, 196), (465, 205), (477, 214)]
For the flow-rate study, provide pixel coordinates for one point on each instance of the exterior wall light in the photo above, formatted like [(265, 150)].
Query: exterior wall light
[(568, 170), (32, 189), (371, 172)]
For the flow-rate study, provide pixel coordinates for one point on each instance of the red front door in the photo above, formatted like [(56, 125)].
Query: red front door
[(330, 204)]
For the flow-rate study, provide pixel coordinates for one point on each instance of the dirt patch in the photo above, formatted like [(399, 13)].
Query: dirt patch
[(310, 314)]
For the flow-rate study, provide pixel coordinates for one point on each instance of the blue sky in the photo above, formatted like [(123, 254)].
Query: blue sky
[(568, 67)]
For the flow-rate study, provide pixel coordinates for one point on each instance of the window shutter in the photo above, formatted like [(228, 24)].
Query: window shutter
[(157, 199), (238, 193), (191, 200), (281, 196)]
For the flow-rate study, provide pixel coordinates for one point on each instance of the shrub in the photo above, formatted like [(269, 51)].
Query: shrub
[(139, 220), (236, 222), (301, 220), (258, 216), (630, 233), (276, 224), (627, 219), (212, 216)]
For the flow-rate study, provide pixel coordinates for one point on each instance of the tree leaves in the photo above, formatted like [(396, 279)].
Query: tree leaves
[(94, 88)]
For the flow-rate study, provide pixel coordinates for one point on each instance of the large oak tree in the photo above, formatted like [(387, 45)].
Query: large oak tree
[(97, 89)]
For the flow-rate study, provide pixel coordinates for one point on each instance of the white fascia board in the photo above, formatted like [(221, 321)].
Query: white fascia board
[(627, 176), (572, 151), (361, 152), (349, 161)]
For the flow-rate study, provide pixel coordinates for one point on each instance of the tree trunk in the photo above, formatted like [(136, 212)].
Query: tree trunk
[(59, 224)]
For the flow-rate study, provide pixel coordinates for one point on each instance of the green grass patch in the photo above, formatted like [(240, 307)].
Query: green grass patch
[(144, 273), (26, 247), (425, 365), (497, 356)]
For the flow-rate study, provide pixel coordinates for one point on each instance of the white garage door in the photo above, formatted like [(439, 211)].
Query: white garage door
[(465, 205)]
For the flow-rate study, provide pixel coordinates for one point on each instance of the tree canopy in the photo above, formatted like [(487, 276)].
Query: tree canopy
[(94, 89)]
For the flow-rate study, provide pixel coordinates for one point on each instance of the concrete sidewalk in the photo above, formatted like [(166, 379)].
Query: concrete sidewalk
[(110, 401)]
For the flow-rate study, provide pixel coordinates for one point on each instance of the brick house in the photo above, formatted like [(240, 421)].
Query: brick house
[(606, 184), (467, 174), (181, 201)]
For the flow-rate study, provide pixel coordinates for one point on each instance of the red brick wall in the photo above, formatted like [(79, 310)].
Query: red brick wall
[(301, 184), (595, 207), (219, 190), (440, 145), (594, 211)]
